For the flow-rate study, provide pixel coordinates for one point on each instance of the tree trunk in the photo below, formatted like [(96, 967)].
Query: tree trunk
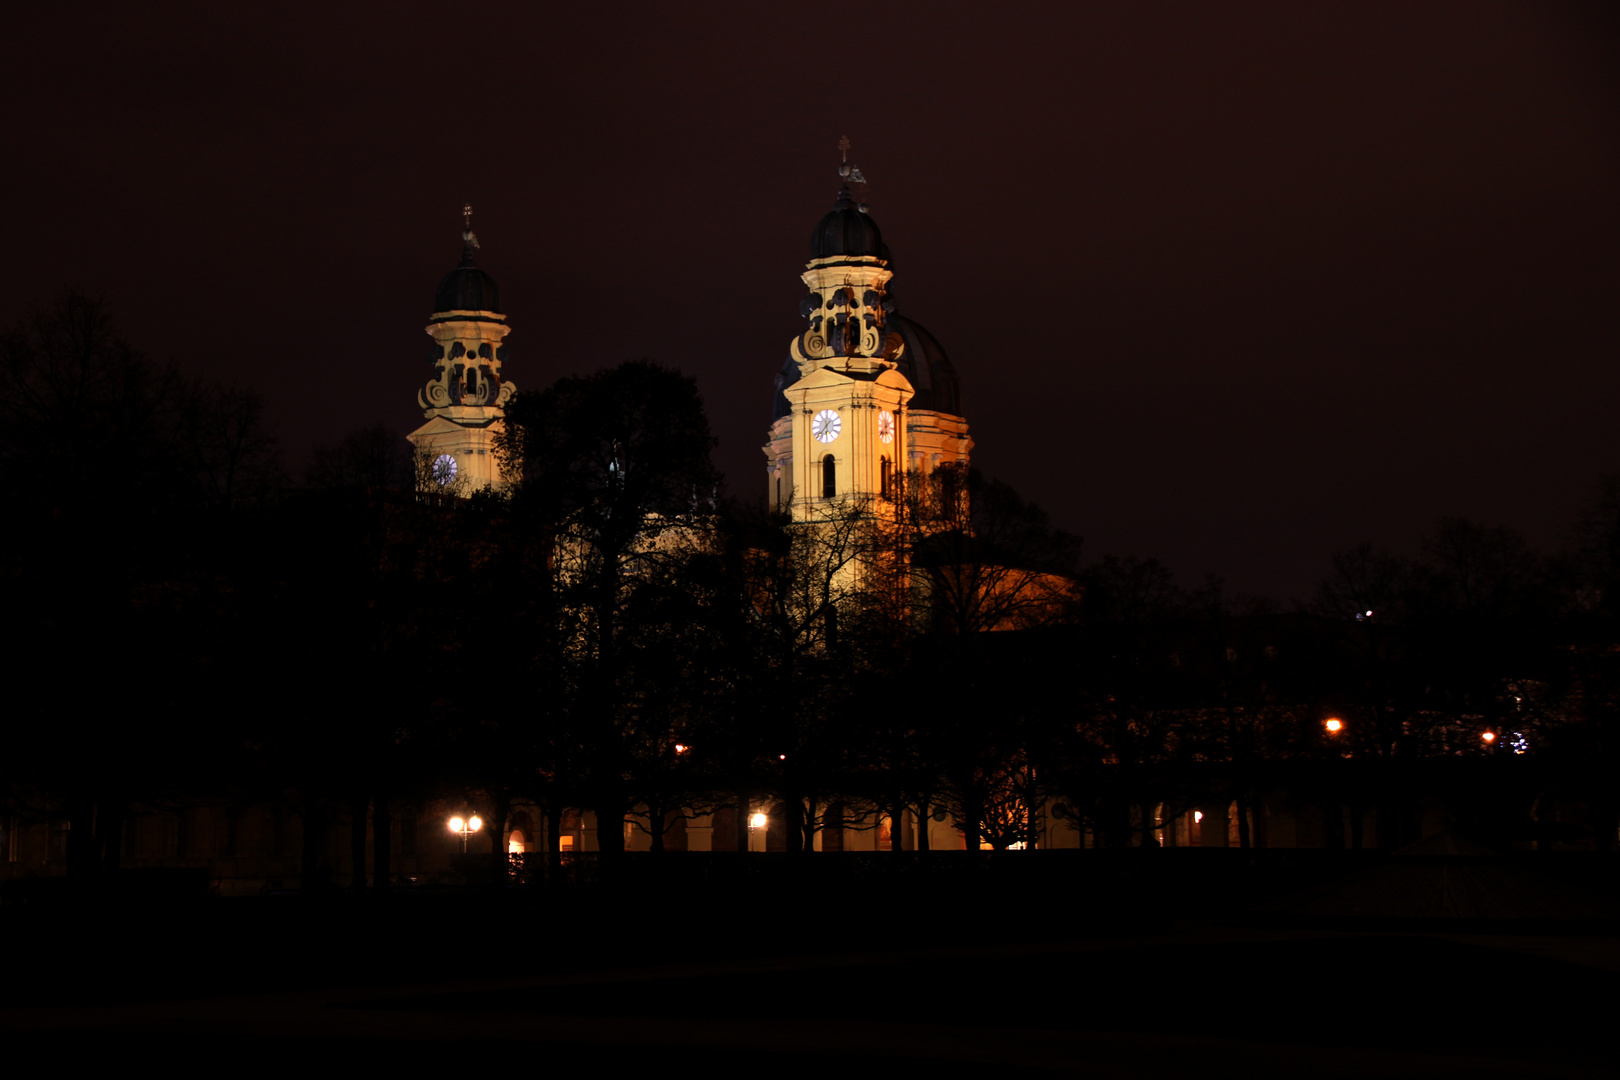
[(798, 829), (1145, 810), (741, 823), (357, 842), (553, 841), (554, 829), (657, 824), (1243, 824), (1333, 823), (609, 829), (973, 814), (110, 836), (314, 873), (382, 843), (82, 863), (924, 819), (500, 862)]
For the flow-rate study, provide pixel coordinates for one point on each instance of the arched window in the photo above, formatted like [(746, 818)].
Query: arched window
[(883, 477), (829, 477)]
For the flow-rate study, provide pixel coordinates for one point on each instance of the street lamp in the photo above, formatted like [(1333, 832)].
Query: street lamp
[(465, 829), (1334, 725)]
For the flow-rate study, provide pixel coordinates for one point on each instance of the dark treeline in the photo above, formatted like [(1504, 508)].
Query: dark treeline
[(187, 624)]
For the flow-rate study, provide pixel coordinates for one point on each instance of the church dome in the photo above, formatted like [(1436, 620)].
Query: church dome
[(927, 368), (467, 288), (846, 230)]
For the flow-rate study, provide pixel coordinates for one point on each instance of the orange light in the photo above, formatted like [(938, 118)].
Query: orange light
[(681, 748), (1334, 725), (455, 824), (1198, 817), (1489, 736)]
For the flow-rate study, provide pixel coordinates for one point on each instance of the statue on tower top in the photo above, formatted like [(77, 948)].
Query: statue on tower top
[(468, 237), (851, 173)]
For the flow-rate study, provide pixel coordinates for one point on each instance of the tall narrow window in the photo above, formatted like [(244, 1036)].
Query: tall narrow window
[(883, 477), (947, 491), (829, 477)]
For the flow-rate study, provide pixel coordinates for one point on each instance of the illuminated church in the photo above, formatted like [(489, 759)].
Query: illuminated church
[(865, 394), (865, 397)]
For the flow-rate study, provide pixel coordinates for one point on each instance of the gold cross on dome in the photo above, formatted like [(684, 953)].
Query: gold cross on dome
[(843, 147), (466, 216)]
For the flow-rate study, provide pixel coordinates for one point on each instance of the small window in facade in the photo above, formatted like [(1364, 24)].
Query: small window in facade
[(883, 477), (829, 477)]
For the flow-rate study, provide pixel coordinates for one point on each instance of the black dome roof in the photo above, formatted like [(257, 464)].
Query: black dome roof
[(467, 288), (927, 368), (846, 230)]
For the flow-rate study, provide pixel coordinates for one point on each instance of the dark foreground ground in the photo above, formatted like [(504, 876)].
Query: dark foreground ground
[(781, 976)]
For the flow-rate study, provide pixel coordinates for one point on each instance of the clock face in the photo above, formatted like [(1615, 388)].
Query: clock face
[(826, 426), (886, 426), (444, 469)]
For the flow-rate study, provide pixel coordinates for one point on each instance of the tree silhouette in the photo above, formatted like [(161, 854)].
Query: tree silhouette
[(617, 466)]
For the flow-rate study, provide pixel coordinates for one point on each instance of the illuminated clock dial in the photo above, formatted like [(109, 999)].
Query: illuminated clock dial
[(886, 426), (444, 469), (826, 426)]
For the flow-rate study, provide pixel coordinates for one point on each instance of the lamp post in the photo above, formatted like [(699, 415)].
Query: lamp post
[(756, 824), (465, 828)]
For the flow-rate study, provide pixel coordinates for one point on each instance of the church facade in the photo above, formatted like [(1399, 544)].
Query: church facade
[(865, 395)]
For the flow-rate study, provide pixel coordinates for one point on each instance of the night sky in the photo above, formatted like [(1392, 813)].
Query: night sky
[(1235, 286)]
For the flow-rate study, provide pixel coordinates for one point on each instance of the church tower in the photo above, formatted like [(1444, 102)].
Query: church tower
[(464, 399), (865, 394)]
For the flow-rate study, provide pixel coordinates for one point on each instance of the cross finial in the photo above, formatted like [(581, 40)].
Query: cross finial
[(843, 147), (468, 237)]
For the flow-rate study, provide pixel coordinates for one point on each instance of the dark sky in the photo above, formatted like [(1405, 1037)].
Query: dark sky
[(1235, 286)]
